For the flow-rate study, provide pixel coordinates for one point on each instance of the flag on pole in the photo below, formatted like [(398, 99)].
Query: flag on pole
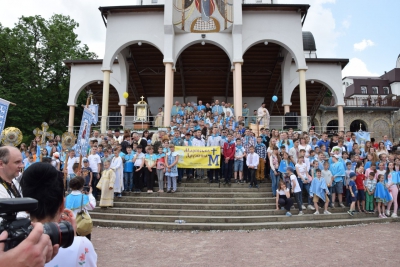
[(3, 113), (82, 144), (95, 110), (361, 138)]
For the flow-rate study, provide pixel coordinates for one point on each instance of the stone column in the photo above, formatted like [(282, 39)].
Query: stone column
[(71, 119), (303, 100), (237, 89), (286, 109), (340, 118), (123, 113), (169, 93), (106, 95)]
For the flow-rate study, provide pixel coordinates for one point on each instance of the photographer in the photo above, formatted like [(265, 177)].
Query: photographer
[(41, 182), (34, 251)]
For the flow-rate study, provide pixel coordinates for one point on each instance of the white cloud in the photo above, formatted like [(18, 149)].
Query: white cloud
[(363, 45), (346, 22), (322, 24), (357, 67)]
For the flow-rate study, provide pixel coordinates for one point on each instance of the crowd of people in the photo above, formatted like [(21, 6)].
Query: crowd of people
[(305, 167)]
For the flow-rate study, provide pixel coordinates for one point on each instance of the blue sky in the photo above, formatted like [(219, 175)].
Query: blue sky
[(365, 31)]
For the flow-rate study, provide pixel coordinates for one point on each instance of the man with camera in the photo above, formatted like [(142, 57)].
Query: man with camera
[(36, 249)]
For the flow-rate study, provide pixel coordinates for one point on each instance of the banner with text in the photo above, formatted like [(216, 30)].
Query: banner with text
[(197, 157)]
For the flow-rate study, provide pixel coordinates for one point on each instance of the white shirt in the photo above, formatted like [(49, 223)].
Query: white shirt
[(80, 253), (261, 112), (297, 188), (139, 159), (94, 160), (302, 173), (252, 160), (71, 162), (307, 148), (197, 142), (214, 140)]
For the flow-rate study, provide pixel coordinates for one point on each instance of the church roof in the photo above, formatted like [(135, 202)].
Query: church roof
[(309, 42)]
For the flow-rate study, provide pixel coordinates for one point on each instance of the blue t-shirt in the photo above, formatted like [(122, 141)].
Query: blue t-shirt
[(128, 166), (353, 186)]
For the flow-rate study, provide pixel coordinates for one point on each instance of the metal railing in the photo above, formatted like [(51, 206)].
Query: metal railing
[(276, 122), (371, 102)]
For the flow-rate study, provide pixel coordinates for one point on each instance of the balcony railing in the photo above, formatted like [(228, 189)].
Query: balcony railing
[(365, 102)]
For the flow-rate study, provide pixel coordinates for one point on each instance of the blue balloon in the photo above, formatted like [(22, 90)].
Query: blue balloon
[(274, 98)]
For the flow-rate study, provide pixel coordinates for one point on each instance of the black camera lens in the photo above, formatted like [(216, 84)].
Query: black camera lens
[(60, 233)]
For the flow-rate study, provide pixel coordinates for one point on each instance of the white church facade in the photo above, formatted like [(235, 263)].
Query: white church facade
[(202, 50)]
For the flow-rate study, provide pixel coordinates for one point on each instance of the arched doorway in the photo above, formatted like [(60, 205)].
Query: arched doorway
[(356, 124), (332, 126)]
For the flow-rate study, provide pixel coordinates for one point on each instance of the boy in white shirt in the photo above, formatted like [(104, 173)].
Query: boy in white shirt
[(252, 161), (327, 175), (238, 164), (296, 190), (138, 167)]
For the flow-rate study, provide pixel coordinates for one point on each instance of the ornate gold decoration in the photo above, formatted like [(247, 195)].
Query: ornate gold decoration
[(43, 133), (68, 140), (11, 136)]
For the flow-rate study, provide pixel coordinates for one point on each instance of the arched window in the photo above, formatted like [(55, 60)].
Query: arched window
[(385, 90), (355, 126), (363, 90), (332, 126), (374, 90)]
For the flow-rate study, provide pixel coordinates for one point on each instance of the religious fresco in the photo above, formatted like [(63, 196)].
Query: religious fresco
[(203, 16)]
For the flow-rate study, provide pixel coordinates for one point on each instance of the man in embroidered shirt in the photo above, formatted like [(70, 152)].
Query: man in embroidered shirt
[(261, 151), (252, 162), (213, 140)]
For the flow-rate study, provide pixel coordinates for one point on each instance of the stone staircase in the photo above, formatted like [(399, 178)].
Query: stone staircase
[(215, 207)]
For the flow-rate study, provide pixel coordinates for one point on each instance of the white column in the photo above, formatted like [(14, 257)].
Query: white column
[(123, 113), (169, 93), (237, 89), (340, 118), (303, 100), (71, 119), (106, 95)]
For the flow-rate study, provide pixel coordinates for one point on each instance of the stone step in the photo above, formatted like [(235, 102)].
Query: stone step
[(223, 219), (202, 194), (244, 188), (232, 185), (242, 226), (192, 200), (199, 212)]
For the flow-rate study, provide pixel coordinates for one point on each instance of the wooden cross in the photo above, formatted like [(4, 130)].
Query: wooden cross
[(43, 133)]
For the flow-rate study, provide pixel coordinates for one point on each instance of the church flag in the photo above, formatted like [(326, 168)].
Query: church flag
[(361, 138), (95, 110), (82, 144), (3, 113)]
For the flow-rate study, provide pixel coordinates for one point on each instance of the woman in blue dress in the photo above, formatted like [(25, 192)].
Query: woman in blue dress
[(171, 160)]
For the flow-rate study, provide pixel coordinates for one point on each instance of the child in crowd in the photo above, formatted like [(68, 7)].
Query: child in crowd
[(106, 185), (296, 190), (285, 162), (283, 198), (87, 172), (138, 166), (128, 169), (171, 162), (161, 170), (238, 164), (252, 161), (319, 191), (370, 186), (382, 196), (327, 175), (353, 193), (360, 178), (150, 170)]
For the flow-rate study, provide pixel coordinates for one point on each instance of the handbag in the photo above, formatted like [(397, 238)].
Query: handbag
[(83, 222)]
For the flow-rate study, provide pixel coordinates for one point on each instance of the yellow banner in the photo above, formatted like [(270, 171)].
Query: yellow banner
[(195, 157)]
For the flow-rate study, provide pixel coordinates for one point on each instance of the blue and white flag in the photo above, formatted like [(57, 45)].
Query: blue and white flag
[(95, 111), (82, 145), (361, 138), (3, 113)]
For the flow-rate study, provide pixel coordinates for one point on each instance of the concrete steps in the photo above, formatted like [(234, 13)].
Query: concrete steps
[(214, 206)]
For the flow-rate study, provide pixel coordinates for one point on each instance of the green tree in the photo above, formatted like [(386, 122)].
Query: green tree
[(32, 72)]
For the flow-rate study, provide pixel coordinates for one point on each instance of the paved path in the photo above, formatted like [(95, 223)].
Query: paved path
[(361, 245)]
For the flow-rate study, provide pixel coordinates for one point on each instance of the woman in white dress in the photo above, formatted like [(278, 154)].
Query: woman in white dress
[(117, 166), (159, 118)]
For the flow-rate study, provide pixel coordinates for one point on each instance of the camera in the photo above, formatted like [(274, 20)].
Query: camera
[(19, 229)]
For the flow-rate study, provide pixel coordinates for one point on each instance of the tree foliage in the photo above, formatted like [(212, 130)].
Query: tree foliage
[(32, 72)]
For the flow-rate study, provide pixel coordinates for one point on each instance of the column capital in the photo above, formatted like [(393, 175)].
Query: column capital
[(305, 69), (104, 70), (238, 61), (287, 104)]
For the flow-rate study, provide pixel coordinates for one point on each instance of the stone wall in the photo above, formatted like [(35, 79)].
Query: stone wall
[(378, 123)]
